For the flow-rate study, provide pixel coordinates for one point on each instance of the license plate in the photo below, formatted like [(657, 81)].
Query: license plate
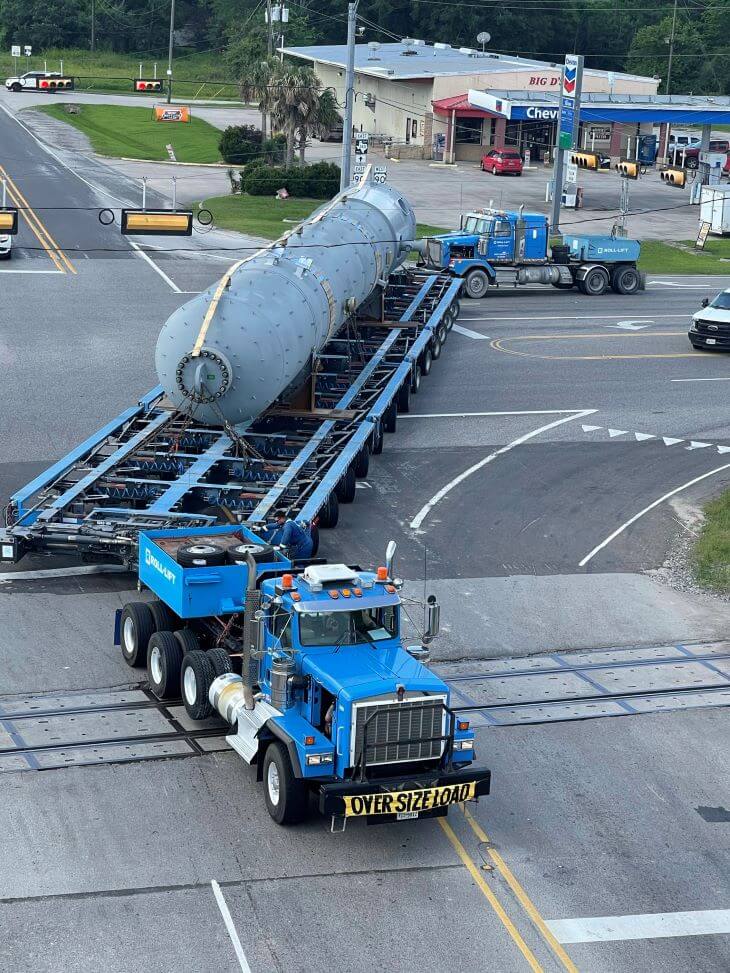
[(407, 815), (408, 802), (710, 341)]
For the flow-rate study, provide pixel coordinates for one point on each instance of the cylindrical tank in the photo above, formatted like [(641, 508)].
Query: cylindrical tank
[(281, 307)]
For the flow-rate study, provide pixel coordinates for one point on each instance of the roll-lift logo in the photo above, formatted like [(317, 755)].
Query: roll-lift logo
[(151, 561)]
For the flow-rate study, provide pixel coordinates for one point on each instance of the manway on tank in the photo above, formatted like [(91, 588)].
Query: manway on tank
[(230, 352)]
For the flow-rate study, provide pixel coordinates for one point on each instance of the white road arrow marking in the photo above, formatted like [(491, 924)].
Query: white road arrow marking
[(590, 428), (616, 432), (631, 325), (641, 436), (668, 441), (470, 334), (694, 445), (723, 449)]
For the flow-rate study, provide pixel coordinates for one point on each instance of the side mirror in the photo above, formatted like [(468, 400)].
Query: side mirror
[(433, 623), (390, 557), (705, 302)]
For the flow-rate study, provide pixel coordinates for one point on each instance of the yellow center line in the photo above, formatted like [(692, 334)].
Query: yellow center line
[(491, 897), (38, 227), (522, 896)]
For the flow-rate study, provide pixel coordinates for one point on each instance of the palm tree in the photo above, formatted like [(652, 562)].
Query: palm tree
[(256, 80), (325, 118), (301, 108)]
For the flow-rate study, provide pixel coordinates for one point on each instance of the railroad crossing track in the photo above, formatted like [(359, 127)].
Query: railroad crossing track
[(48, 732)]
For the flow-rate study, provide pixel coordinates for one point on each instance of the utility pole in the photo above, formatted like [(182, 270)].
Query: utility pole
[(169, 51), (349, 95), (671, 47), (93, 25), (269, 30)]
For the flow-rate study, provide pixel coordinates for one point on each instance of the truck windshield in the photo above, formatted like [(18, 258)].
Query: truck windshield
[(348, 628), (722, 301), (476, 224)]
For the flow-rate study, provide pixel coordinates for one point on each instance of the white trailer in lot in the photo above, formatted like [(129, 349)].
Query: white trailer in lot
[(715, 209)]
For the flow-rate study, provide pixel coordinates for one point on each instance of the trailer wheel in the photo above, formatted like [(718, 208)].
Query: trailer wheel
[(164, 659), (376, 445), (435, 348), (189, 641), (425, 362), (362, 462), (201, 555), (626, 280), (163, 618), (136, 628), (345, 489), (330, 513), (477, 284), (196, 678), (442, 333), (390, 418), (404, 397), (415, 379), (221, 662), (286, 796), (595, 282)]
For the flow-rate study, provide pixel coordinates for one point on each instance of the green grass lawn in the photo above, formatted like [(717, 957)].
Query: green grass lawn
[(266, 217), (196, 75), (660, 258), (131, 132), (712, 552)]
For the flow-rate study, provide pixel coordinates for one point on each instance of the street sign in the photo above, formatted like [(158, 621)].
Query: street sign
[(15, 50), (27, 50), (362, 140), (570, 91), (380, 175)]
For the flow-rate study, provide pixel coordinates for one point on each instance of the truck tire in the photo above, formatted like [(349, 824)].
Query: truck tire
[(456, 308), (16, 87), (221, 662), (163, 618), (376, 444), (286, 796), (442, 333), (345, 489), (201, 555), (196, 678), (425, 362), (626, 280), (435, 348), (390, 418), (164, 659), (563, 285), (362, 462), (477, 284), (415, 379), (260, 552), (135, 630), (404, 397), (330, 512), (188, 640), (595, 282)]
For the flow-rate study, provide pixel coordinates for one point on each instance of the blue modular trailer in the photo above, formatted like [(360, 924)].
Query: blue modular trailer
[(155, 467), (307, 664)]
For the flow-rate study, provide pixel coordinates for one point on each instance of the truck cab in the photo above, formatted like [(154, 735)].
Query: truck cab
[(308, 665)]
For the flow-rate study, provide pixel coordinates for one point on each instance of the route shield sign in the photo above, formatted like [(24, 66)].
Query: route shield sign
[(362, 140)]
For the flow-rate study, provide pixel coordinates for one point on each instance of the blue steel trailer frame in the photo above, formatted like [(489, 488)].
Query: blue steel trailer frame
[(154, 467)]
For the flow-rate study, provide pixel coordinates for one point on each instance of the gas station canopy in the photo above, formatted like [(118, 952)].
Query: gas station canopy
[(602, 107)]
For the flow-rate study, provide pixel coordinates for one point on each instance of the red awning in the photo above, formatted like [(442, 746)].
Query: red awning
[(460, 105)]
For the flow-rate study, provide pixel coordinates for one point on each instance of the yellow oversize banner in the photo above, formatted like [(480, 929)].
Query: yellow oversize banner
[(408, 802)]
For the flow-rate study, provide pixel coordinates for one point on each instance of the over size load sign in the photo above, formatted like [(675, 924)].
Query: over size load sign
[(172, 113), (408, 802)]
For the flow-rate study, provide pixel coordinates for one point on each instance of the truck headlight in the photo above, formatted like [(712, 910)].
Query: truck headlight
[(314, 759), (463, 744)]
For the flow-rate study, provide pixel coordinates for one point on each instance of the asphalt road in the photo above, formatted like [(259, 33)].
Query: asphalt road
[(495, 486)]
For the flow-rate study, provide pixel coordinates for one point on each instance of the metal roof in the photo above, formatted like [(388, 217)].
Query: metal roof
[(401, 61)]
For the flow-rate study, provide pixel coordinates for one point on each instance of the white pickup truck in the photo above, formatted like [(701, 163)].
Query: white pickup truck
[(6, 244)]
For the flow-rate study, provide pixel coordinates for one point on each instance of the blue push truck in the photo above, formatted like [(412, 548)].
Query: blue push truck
[(495, 248), (306, 662)]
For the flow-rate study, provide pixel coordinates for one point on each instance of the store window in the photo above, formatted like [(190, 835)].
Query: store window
[(469, 131)]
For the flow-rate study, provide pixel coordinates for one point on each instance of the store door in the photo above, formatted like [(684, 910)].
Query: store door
[(408, 131)]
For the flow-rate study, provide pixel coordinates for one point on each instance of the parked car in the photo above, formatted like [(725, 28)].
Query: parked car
[(692, 154), (502, 161), (679, 142), (6, 245), (710, 327), (29, 80)]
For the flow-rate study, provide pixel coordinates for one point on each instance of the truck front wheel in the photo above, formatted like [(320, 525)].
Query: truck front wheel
[(286, 795), (626, 280), (477, 284), (594, 283)]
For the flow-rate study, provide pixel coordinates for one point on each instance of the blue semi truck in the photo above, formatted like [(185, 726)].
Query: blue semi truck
[(307, 663), (497, 248)]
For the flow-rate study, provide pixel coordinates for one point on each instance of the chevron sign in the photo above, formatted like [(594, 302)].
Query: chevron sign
[(569, 80)]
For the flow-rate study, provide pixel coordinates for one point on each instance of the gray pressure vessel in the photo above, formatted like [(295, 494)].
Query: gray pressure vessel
[(281, 307)]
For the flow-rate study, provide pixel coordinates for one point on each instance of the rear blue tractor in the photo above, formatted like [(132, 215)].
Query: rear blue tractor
[(495, 248), (305, 661)]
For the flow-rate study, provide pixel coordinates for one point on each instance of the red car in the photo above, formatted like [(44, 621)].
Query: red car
[(502, 162), (692, 155)]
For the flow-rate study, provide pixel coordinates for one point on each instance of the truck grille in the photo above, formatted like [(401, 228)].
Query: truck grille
[(712, 328), (395, 723)]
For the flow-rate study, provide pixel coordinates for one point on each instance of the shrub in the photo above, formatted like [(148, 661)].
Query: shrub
[(319, 181), (239, 143)]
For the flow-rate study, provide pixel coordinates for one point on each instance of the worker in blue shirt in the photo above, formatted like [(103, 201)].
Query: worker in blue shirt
[(292, 536)]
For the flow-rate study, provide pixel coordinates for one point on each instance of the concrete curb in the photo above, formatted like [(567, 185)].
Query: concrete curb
[(169, 162)]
